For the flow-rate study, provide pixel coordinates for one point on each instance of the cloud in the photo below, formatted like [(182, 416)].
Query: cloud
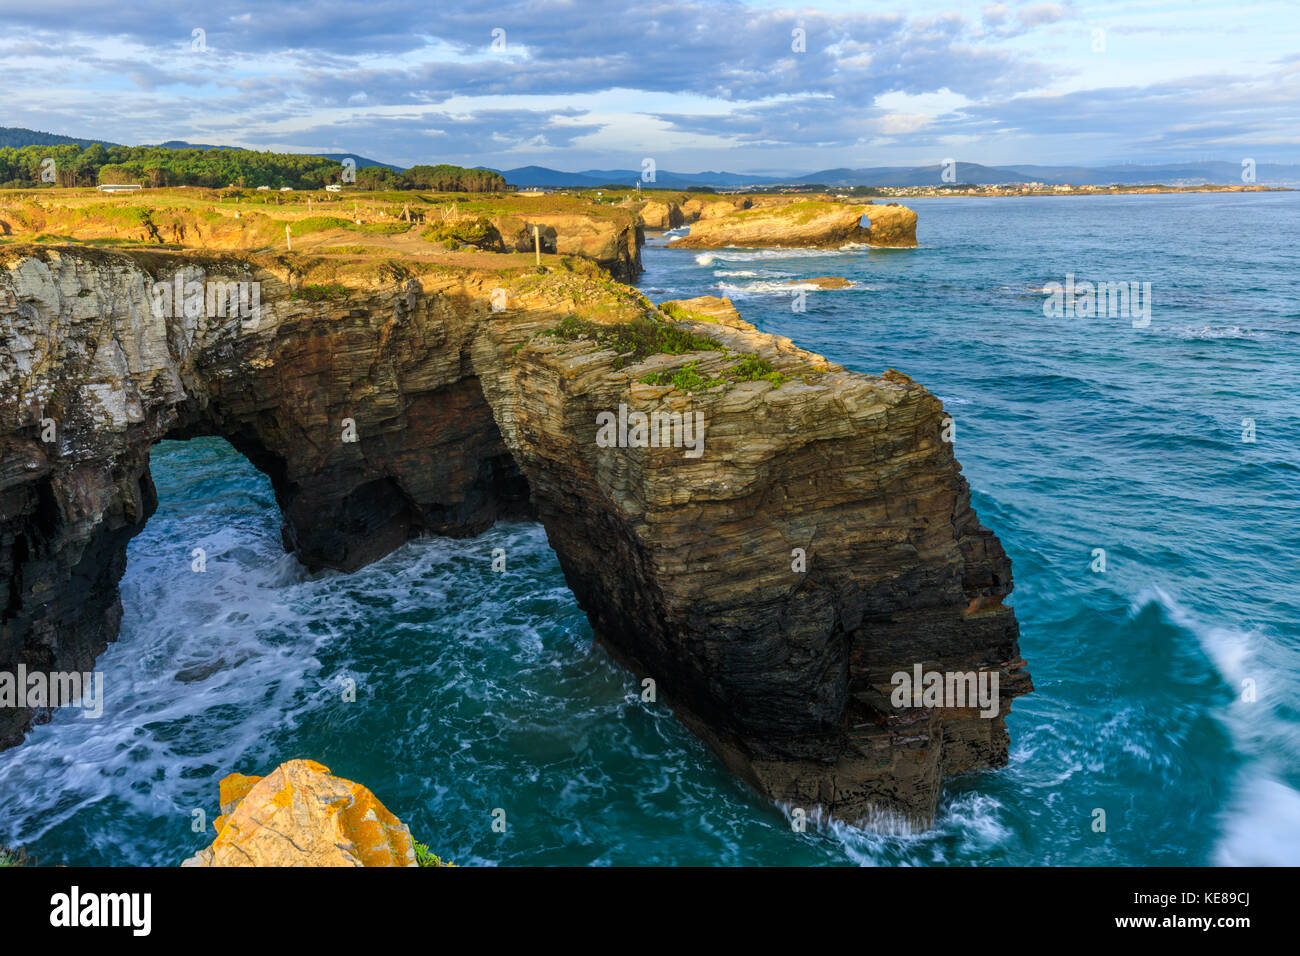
[(408, 81)]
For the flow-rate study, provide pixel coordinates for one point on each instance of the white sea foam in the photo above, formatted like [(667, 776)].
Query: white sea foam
[(1210, 333), (1261, 825), (772, 287), (231, 645), (736, 254)]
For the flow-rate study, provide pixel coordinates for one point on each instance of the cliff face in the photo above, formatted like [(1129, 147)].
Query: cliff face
[(662, 215), (197, 219), (770, 564), (815, 224), (614, 244)]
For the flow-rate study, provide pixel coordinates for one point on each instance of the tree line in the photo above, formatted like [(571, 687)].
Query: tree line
[(440, 178), (97, 164)]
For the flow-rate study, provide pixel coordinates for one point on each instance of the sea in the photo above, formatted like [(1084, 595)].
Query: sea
[(1142, 471)]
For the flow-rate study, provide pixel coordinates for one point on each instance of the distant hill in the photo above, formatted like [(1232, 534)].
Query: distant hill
[(1129, 174), (362, 162), (1169, 174), (972, 173), (544, 176), (16, 137)]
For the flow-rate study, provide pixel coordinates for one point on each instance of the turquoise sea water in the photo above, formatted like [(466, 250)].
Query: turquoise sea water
[(478, 691)]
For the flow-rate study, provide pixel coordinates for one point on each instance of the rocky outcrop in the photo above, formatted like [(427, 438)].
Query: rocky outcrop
[(612, 240), (801, 533), (662, 215), (302, 815), (826, 282), (891, 225), (609, 236), (821, 225), (696, 209)]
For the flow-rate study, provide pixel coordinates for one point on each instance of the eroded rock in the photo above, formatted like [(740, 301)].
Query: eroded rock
[(822, 541), (815, 224)]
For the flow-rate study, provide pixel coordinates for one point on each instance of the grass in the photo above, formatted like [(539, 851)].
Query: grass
[(424, 857), (639, 339), (754, 369), (478, 232), (385, 228), (321, 293), (301, 227), (636, 340), (750, 368), (679, 314), (687, 378)]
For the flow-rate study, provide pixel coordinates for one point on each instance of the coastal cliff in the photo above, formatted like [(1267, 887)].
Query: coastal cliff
[(804, 533), (452, 231), (813, 224)]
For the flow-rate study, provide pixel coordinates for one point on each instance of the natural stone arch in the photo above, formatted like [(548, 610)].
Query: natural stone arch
[(463, 412)]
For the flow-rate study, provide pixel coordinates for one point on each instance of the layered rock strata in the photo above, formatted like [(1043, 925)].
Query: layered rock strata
[(821, 541), (813, 224)]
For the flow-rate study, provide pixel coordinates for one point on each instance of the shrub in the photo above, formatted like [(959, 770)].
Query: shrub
[(424, 857), (635, 340), (752, 369), (687, 378), (320, 293), (478, 232)]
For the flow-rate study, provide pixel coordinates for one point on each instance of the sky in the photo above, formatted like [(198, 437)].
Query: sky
[(755, 87)]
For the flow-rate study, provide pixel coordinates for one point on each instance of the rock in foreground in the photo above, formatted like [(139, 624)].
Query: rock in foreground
[(302, 815)]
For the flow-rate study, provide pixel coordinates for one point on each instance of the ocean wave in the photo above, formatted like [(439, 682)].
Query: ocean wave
[(735, 290), (751, 274), (1210, 333), (1261, 826), (737, 254)]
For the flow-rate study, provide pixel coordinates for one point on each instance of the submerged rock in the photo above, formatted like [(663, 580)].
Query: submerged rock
[(302, 815)]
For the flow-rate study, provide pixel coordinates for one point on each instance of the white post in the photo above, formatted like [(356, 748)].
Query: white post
[(537, 245), (288, 239)]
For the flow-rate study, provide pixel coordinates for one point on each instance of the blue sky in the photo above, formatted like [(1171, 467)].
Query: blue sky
[(703, 85)]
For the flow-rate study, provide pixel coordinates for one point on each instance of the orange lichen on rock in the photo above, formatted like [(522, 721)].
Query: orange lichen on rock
[(302, 815)]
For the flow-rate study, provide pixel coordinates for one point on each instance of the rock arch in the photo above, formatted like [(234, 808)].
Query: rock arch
[(464, 412)]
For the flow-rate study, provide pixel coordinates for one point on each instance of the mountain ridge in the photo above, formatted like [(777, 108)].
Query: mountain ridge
[(1209, 172)]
